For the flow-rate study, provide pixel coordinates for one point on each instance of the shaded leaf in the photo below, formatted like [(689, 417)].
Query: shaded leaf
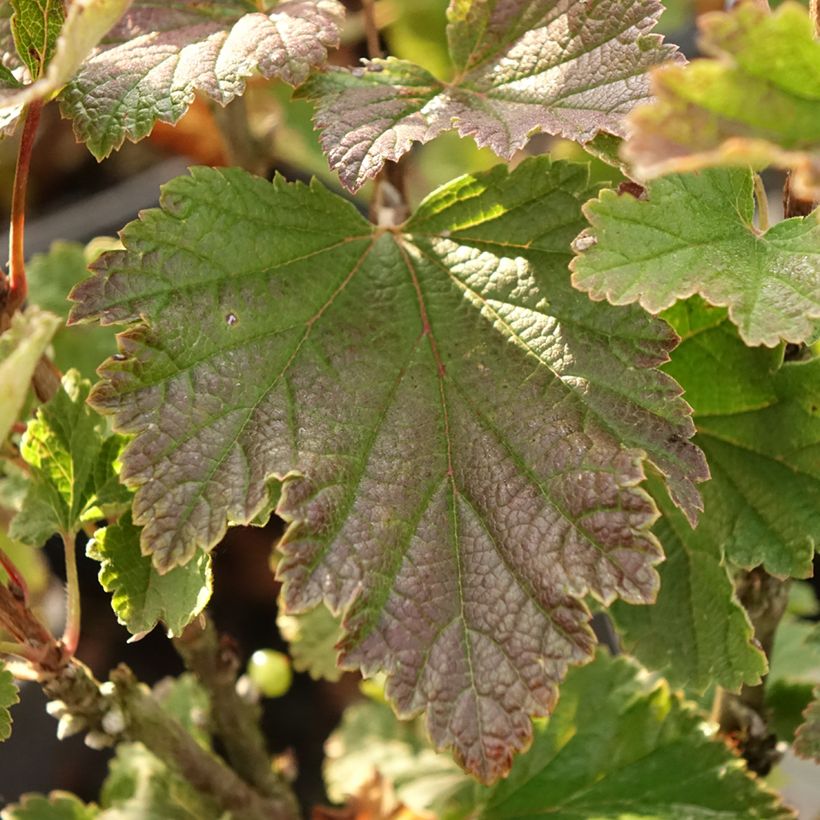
[(757, 102), (35, 26), (619, 744), (807, 739), (21, 348), (447, 414), (141, 596), (139, 786), (185, 698), (159, 55), (51, 276), (694, 234), (312, 638), (85, 25), (697, 605), (761, 434), (72, 464), (57, 805), (8, 697), (558, 66)]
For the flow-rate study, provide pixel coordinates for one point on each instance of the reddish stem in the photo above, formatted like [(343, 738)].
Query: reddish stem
[(17, 583), (18, 287)]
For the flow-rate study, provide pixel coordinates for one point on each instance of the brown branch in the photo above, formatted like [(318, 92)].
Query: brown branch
[(371, 30), (215, 662)]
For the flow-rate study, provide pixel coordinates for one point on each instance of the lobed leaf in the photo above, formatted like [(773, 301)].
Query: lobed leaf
[(57, 805), (312, 638), (35, 26), (72, 464), (160, 55), (459, 433), (21, 348), (619, 744), (693, 233), (761, 435), (141, 596), (566, 68), (756, 103), (713, 638), (8, 697), (807, 739), (85, 25)]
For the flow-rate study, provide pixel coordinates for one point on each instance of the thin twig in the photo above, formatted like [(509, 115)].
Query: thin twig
[(17, 285), (762, 204), (15, 576), (215, 663), (71, 635), (20, 650), (371, 30)]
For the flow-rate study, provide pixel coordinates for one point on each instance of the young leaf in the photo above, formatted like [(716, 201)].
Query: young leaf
[(570, 69), (57, 805), (85, 25), (161, 54), (35, 26), (447, 414), (694, 234), (697, 604), (312, 638), (141, 596), (72, 460), (21, 348), (807, 739), (758, 102), (761, 435), (8, 697), (619, 744)]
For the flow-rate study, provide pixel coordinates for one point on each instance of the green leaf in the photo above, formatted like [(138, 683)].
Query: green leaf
[(51, 276), (85, 25), (761, 435), (459, 432), (72, 463), (694, 234), (757, 102), (161, 54), (312, 638), (35, 26), (57, 805), (140, 786), (21, 348), (697, 605), (141, 596), (8, 697), (186, 699), (521, 67), (807, 739), (620, 744)]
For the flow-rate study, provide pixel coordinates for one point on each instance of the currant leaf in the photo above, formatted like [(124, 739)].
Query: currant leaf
[(141, 596), (312, 638), (757, 102), (807, 739), (72, 460), (693, 233), (35, 26), (8, 697), (160, 55), (21, 347), (698, 605), (459, 432), (57, 805), (552, 65), (620, 744), (761, 436)]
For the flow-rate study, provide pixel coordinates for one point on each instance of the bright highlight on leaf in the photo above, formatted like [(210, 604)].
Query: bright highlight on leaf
[(21, 348), (8, 697), (694, 233), (760, 430), (72, 463), (161, 54), (620, 744), (567, 68), (141, 596), (459, 432), (756, 103)]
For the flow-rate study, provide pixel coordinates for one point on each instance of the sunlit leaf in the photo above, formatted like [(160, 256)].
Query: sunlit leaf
[(8, 697)]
